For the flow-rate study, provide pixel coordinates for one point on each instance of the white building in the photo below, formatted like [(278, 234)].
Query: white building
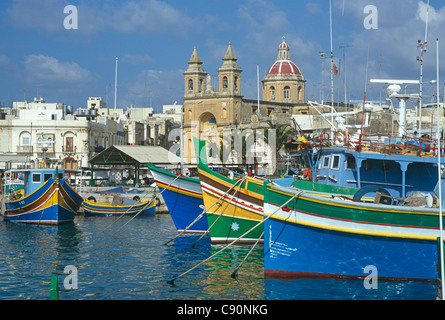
[(51, 130)]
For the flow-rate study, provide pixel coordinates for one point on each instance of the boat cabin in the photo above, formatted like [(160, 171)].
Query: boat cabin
[(36, 177), (398, 174)]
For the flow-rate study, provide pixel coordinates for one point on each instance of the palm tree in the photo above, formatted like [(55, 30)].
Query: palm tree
[(283, 133)]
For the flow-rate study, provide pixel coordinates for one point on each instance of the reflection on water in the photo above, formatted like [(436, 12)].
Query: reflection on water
[(249, 284), (134, 263)]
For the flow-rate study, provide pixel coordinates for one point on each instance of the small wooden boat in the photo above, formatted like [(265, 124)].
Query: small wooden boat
[(233, 207), (120, 206), (307, 235), (183, 198), (48, 199)]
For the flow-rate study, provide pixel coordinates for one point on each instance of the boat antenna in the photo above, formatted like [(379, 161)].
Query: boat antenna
[(439, 174), (422, 47), (364, 101)]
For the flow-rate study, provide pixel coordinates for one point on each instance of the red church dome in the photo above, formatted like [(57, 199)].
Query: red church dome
[(283, 63), (283, 66)]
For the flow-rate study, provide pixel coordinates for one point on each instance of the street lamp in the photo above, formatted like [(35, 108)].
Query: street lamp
[(44, 149)]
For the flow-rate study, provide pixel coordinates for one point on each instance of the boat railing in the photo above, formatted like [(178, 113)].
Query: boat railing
[(411, 146), (422, 147)]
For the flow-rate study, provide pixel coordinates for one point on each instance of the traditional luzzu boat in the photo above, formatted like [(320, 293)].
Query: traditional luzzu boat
[(233, 207), (398, 165), (307, 235), (183, 198), (48, 199), (120, 206)]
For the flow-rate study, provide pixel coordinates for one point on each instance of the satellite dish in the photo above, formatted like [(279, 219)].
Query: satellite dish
[(393, 89)]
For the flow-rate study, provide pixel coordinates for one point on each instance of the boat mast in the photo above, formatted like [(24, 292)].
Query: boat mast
[(439, 174), (364, 101), (115, 90), (422, 47), (332, 69)]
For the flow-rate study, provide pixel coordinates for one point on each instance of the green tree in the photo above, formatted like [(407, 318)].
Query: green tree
[(283, 133)]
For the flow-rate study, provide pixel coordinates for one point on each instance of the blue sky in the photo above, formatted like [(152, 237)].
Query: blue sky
[(154, 40)]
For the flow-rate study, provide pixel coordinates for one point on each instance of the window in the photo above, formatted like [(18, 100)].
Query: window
[(286, 93), (36, 177), (235, 84), (335, 161), (272, 93), (300, 93), (326, 162), (25, 141), (350, 162), (47, 176), (69, 144), (225, 83), (190, 84)]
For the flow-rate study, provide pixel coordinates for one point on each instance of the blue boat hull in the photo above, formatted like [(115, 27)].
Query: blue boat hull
[(184, 209), (53, 215), (183, 198), (53, 204), (298, 251)]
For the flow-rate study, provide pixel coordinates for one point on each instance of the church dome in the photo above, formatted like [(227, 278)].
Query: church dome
[(283, 67), (283, 63), (283, 81)]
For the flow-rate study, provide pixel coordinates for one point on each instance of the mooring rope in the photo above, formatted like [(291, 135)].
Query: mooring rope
[(231, 243), (221, 213), (136, 203), (201, 215), (234, 274)]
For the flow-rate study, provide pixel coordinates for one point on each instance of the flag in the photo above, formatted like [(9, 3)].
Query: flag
[(334, 69)]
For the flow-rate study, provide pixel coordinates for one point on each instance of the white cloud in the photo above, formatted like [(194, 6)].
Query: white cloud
[(151, 16), (45, 70), (393, 46), (93, 18), (434, 16), (41, 15)]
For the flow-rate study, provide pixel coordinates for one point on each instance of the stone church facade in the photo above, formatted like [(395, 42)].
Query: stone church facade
[(208, 109)]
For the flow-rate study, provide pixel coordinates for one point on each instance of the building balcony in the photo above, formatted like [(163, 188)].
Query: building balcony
[(24, 149), (69, 149)]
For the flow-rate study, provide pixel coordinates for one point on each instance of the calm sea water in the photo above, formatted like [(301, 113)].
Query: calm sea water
[(134, 264)]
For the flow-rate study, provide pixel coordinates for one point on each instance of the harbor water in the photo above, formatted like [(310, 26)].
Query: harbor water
[(106, 258)]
